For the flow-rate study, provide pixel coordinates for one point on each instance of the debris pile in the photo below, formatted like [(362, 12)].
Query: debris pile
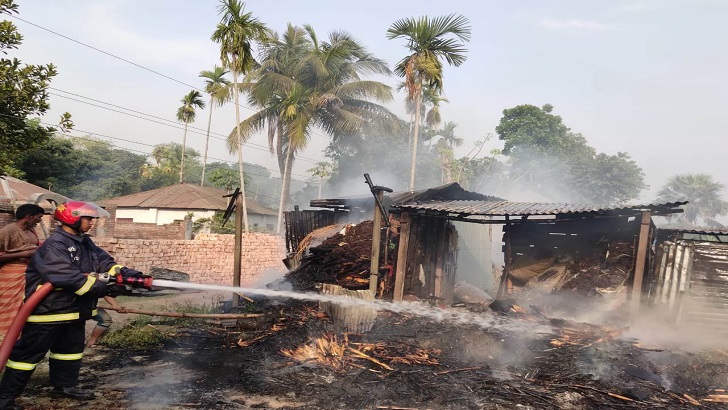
[(585, 274), (343, 259)]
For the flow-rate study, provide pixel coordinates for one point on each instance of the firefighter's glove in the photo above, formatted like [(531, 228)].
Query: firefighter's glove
[(112, 289)]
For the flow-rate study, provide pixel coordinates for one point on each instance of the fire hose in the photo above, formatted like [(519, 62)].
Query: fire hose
[(25, 310), (29, 305)]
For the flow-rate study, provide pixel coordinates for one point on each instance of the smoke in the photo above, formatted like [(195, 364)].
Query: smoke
[(268, 277)]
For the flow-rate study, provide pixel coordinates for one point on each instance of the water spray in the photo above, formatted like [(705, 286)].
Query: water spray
[(484, 321)]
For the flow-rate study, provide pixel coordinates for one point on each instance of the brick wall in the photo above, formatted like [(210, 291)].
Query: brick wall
[(132, 230), (208, 258)]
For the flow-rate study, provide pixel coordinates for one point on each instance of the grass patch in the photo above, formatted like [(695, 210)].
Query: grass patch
[(142, 333), (137, 335)]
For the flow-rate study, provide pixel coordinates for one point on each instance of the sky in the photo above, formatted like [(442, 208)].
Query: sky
[(646, 77)]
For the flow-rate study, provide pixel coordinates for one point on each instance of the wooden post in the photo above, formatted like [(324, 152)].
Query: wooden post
[(639, 269), (237, 264), (502, 287), (441, 245), (376, 240), (404, 233)]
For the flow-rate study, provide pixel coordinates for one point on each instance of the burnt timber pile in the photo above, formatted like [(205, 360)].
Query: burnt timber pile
[(342, 259)]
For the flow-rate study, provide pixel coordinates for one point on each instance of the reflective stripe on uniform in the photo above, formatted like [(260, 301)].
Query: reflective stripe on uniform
[(20, 365), (90, 280), (111, 270), (61, 317), (94, 312), (66, 356)]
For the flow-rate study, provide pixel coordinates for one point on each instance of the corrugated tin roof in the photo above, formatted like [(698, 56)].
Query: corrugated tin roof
[(21, 191), (183, 196), (450, 191), (696, 230), (503, 208)]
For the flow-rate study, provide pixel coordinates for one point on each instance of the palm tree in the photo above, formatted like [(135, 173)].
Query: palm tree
[(322, 170), (236, 33), (304, 83), (444, 146), (429, 41), (186, 114), (703, 193), (218, 87), (432, 116)]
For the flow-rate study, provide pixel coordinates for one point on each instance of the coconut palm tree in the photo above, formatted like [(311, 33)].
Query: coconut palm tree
[(448, 140), (703, 193), (429, 41), (432, 117), (186, 113), (236, 33), (304, 83), (218, 87)]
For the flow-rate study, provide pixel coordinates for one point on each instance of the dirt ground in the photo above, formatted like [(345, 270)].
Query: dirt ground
[(474, 359)]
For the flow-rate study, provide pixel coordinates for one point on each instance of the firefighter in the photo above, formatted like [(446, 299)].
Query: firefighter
[(57, 324)]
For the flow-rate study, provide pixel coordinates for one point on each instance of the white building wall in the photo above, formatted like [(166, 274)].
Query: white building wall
[(159, 216)]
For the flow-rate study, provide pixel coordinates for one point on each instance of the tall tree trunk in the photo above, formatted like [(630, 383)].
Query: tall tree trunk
[(207, 143), (418, 102), (321, 186), (182, 161), (279, 151), (284, 187), (240, 146)]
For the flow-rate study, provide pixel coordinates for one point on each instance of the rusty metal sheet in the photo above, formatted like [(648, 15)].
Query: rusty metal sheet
[(504, 208)]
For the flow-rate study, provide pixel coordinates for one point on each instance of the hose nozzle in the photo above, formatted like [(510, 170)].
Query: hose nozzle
[(134, 282)]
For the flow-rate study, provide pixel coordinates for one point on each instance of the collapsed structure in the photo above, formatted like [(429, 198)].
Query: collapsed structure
[(436, 234)]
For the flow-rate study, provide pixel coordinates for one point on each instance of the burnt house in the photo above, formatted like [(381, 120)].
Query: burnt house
[(555, 245), (438, 245), (688, 283), (545, 246)]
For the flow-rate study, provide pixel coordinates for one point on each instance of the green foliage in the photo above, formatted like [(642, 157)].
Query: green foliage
[(224, 178), (136, 335), (215, 224), (547, 158), (304, 83), (23, 93), (703, 193), (190, 103), (82, 168), (165, 170), (607, 179)]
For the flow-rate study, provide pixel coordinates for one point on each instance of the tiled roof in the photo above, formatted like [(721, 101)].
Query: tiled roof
[(183, 196), (22, 192)]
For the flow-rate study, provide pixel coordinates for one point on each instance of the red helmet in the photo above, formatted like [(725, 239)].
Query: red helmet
[(71, 212)]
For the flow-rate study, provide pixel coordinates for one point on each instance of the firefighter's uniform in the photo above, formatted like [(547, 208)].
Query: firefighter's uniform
[(58, 322)]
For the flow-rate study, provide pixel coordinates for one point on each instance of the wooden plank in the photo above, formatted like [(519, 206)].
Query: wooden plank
[(642, 248), (402, 248), (507, 233), (441, 244)]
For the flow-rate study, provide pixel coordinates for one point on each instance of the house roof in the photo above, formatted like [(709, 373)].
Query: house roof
[(508, 208), (21, 192), (451, 191), (183, 196)]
